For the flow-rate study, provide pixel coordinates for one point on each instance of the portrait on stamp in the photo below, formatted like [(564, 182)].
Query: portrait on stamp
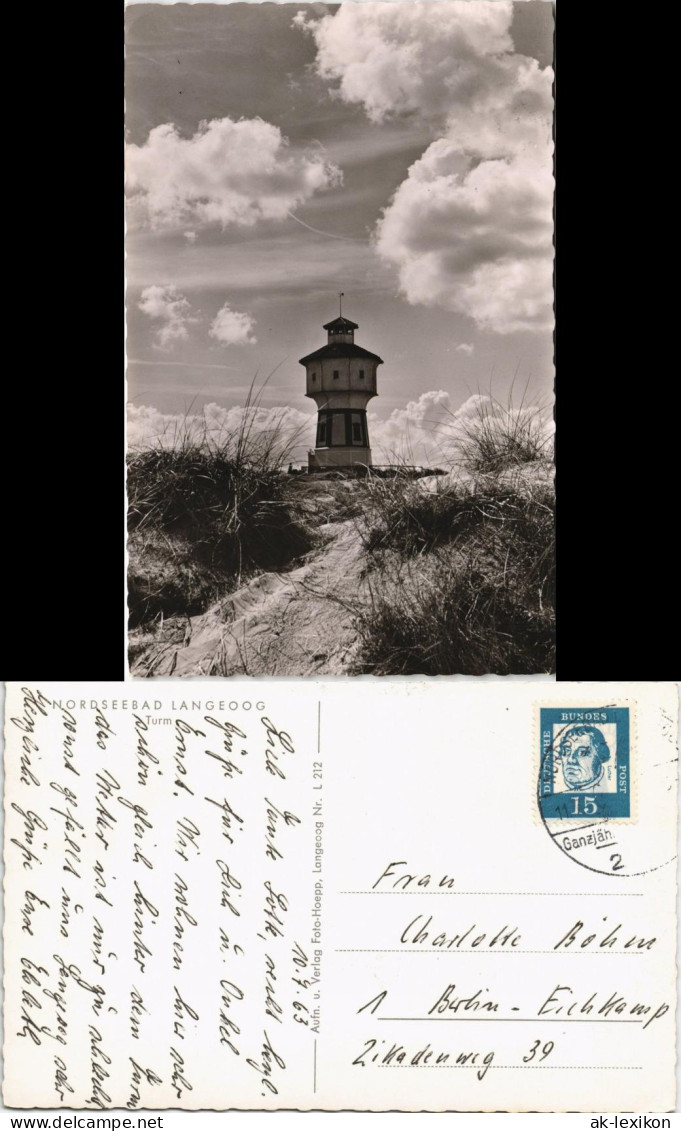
[(586, 760)]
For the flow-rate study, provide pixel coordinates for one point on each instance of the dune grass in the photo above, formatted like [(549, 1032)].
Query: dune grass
[(463, 578), (475, 597), (496, 435), (206, 511)]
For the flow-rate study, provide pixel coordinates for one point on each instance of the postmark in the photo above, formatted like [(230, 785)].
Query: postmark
[(585, 762)]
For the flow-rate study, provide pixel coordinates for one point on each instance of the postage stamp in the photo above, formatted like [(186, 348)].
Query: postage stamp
[(585, 770)]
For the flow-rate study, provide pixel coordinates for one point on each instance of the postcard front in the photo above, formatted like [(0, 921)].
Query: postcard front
[(339, 896), (340, 338)]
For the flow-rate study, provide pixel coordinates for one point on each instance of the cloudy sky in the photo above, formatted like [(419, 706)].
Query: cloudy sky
[(279, 153)]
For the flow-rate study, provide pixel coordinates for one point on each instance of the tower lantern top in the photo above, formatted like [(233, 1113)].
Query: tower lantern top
[(341, 329), (341, 343), (341, 325)]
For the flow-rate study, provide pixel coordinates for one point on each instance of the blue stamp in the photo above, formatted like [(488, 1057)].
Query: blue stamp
[(585, 762)]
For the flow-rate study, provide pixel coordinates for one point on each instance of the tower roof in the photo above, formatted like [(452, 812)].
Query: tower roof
[(341, 324), (340, 349)]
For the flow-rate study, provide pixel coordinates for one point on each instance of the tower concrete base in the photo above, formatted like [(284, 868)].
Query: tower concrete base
[(322, 458)]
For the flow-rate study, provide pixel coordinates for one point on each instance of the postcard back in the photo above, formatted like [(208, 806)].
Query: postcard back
[(426, 895)]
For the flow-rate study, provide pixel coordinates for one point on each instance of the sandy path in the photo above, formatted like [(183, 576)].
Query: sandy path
[(296, 623)]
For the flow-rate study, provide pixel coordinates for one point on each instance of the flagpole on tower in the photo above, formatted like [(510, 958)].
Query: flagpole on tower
[(340, 303)]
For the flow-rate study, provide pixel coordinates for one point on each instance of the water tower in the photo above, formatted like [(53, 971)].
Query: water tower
[(341, 379)]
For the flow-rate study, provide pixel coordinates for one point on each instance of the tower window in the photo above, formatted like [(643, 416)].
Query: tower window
[(336, 374), (361, 374), (314, 376), (337, 438), (357, 433)]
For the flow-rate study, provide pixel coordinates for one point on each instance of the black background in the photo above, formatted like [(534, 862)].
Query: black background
[(617, 370)]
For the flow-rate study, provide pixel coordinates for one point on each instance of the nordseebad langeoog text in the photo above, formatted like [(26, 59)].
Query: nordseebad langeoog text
[(158, 705)]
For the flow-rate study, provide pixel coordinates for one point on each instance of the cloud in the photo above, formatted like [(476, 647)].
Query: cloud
[(190, 236), (416, 57), (232, 328), (216, 424), (427, 431), (478, 243), (228, 173), (166, 305), (470, 228), (465, 347), (412, 433)]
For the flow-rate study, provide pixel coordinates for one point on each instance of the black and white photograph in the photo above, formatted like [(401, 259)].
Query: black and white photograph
[(339, 338)]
